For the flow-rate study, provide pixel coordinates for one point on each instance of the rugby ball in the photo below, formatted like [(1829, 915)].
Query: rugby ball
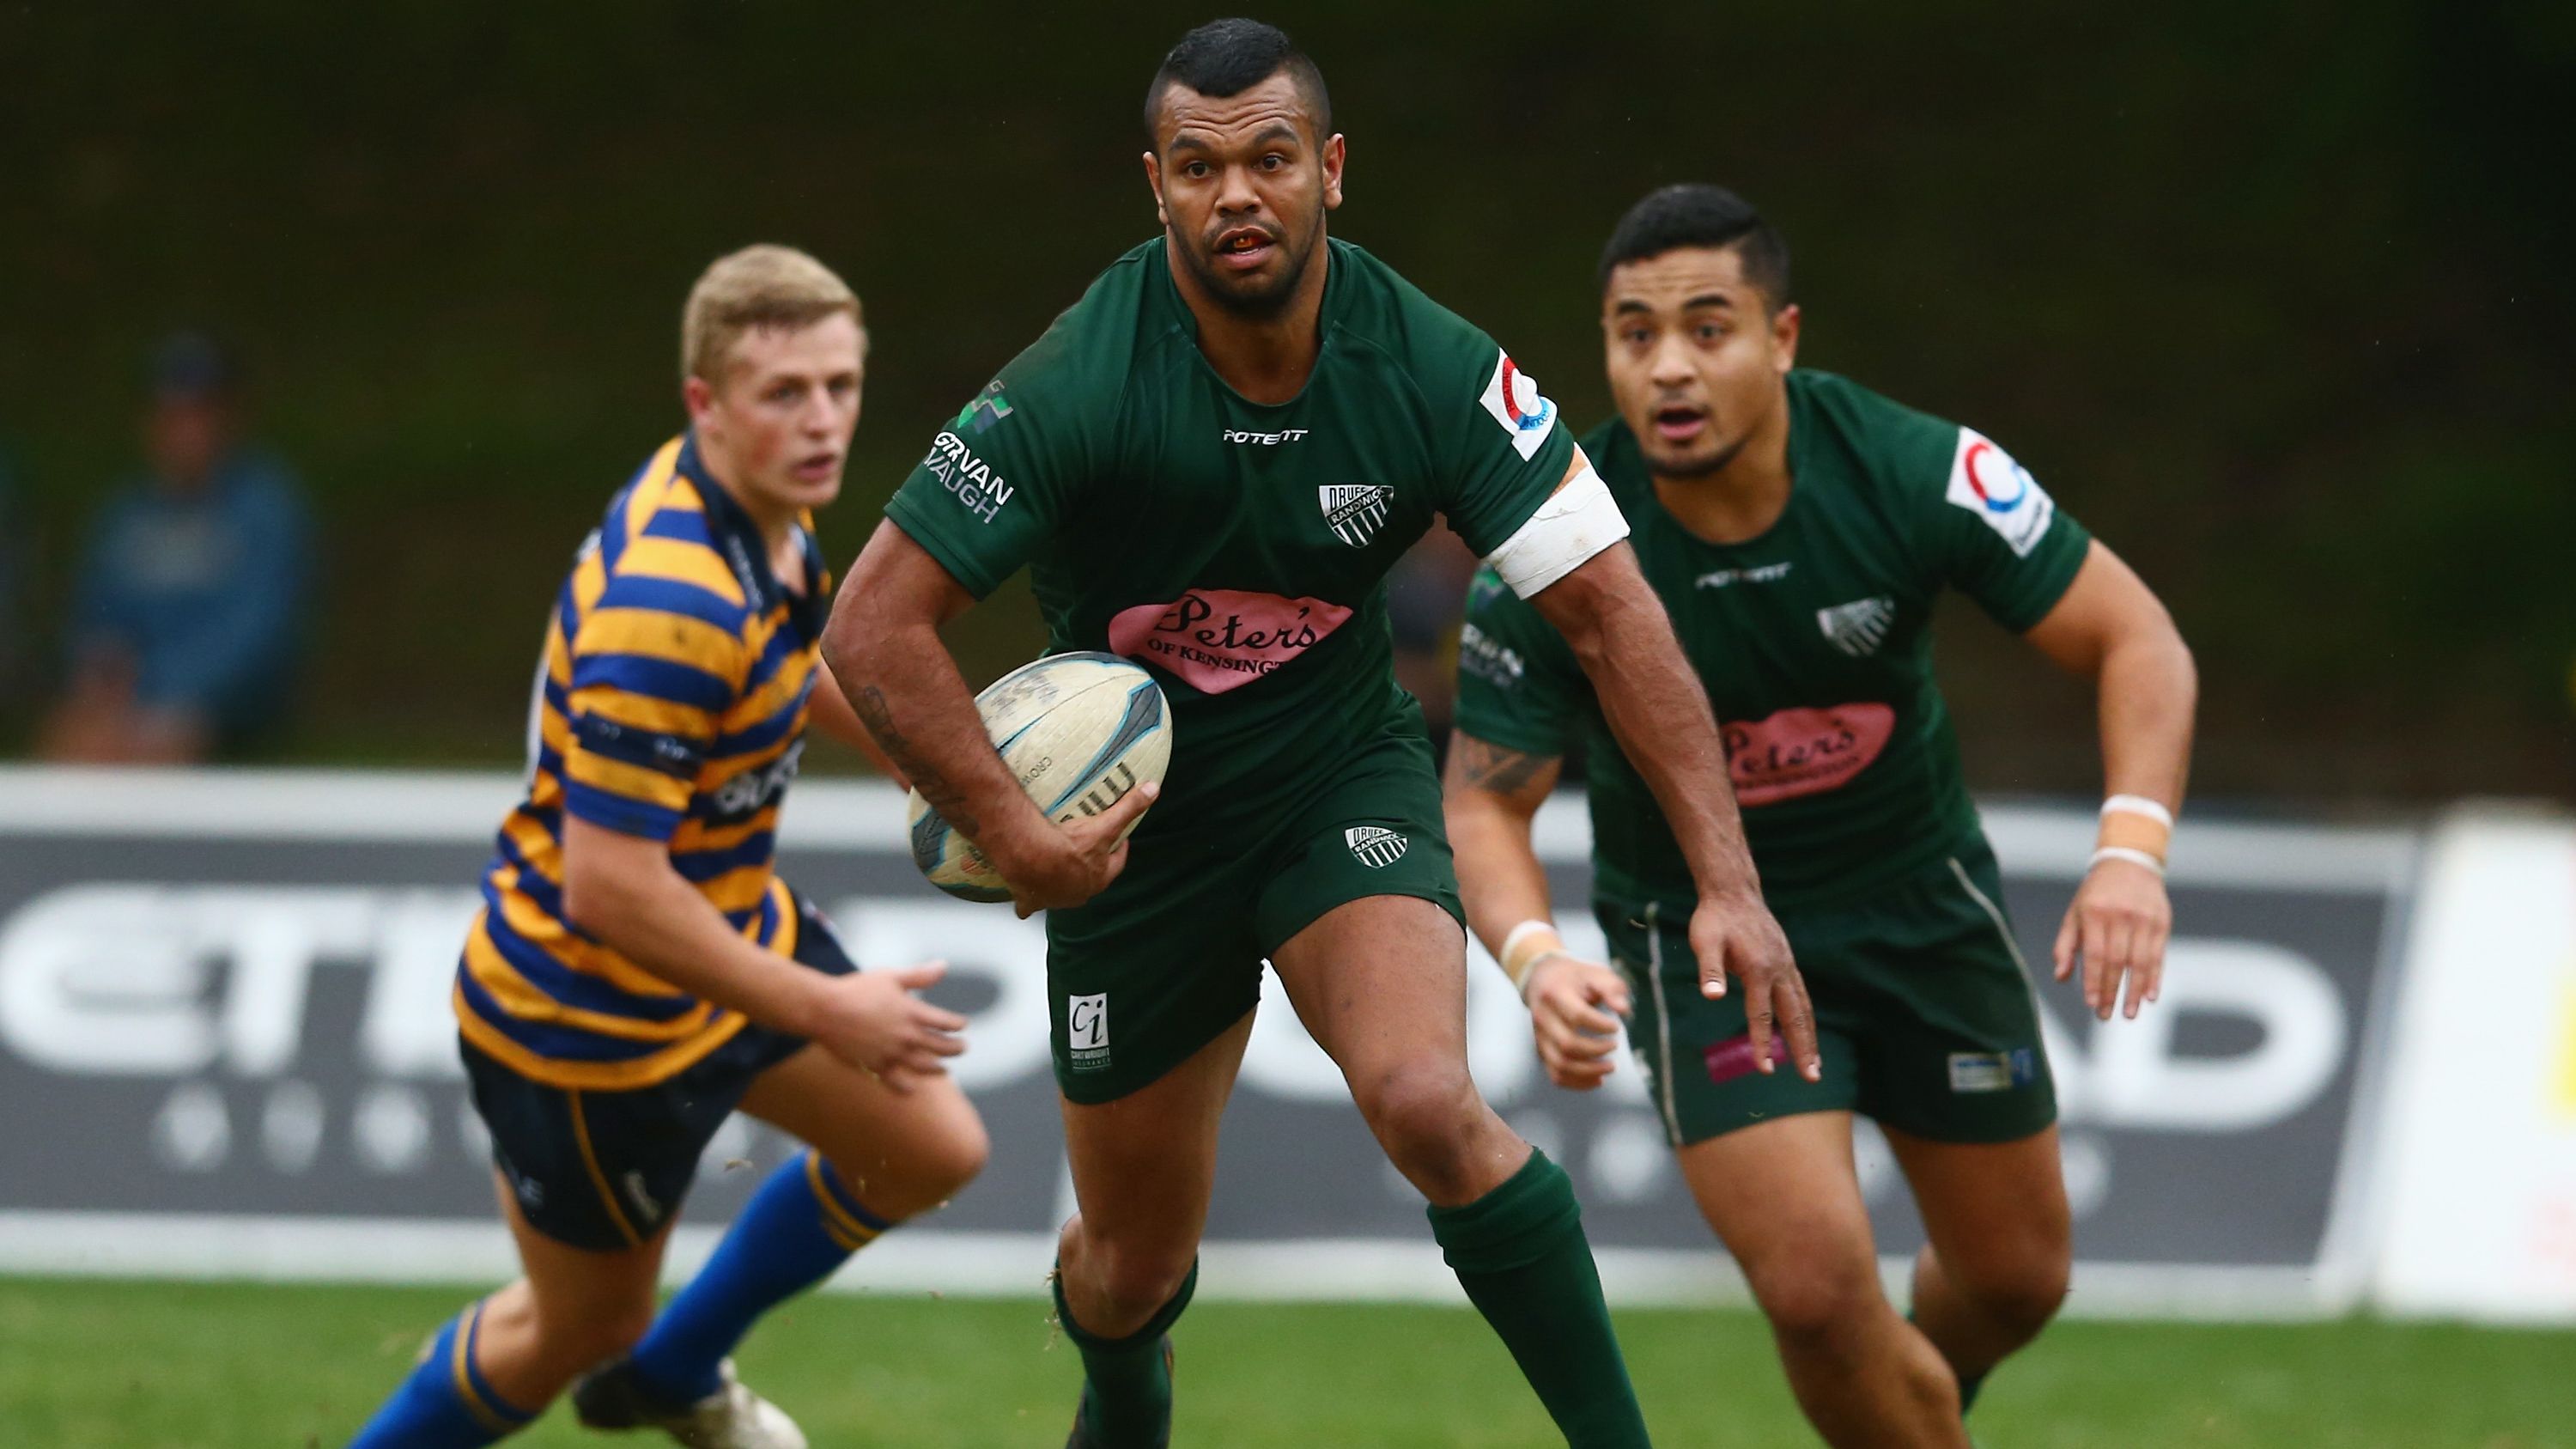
[(1079, 730)]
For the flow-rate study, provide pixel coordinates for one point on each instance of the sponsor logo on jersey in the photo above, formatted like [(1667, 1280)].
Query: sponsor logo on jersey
[(972, 479), (1375, 846), (1086, 1031), (1354, 511), (987, 409), (1481, 656), (1759, 574), (1859, 627), (1734, 1057), (1986, 481), (747, 794), (1221, 639), (1804, 751), (1512, 396), (1267, 440), (1993, 1071)]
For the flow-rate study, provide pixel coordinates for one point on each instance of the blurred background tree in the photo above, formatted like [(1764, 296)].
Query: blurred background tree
[(2275, 298)]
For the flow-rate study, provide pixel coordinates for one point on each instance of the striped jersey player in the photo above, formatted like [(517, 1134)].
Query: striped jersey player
[(639, 971)]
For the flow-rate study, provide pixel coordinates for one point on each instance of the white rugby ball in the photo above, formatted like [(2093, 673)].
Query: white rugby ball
[(1079, 730)]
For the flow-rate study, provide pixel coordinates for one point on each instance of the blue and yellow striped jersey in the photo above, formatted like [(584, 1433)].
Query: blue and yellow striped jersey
[(671, 705)]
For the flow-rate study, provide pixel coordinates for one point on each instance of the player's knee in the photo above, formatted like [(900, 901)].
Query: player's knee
[(958, 1158), (1132, 1281), (1423, 1112), (1815, 1305), (2021, 1293)]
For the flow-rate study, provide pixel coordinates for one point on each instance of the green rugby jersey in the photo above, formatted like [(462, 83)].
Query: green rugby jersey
[(1237, 549), (1812, 641)]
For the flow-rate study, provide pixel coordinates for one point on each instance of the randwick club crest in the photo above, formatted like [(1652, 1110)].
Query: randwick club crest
[(1858, 627), (1375, 846), (1354, 511)]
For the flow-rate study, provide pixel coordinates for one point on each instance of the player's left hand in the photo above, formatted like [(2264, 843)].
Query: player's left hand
[(1575, 1006), (1735, 934), (2117, 928)]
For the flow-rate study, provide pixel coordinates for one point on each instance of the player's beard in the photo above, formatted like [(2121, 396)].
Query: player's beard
[(1689, 470), (1258, 302)]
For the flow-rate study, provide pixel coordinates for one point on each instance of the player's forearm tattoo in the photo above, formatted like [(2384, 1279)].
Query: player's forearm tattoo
[(870, 706), (1492, 767)]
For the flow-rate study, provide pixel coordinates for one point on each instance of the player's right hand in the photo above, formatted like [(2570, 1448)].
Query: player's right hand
[(1575, 1007), (1736, 935), (872, 1020), (1077, 860)]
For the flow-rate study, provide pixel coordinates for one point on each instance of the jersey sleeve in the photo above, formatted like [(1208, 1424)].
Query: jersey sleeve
[(1506, 449), (1519, 686), (651, 676), (1004, 471), (1997, 536)]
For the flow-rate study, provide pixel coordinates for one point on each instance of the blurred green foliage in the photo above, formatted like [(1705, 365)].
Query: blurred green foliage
[(2274, 297)]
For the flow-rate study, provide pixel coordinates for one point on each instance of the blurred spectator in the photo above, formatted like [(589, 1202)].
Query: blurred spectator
[(1426, 593), (185, 622)]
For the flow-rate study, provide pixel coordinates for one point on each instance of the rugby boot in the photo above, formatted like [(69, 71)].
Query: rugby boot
[(1081, 1438), (733, 1417)]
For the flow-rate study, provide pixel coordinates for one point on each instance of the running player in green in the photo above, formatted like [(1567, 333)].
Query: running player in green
[(1799, 528), (1209, 464)]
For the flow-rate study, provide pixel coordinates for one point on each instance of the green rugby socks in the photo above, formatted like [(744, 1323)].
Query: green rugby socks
[(1126, 1382), (1520, 1253)]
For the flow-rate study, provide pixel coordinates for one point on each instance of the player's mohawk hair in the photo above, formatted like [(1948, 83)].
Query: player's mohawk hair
[(1229, 57), (1696, 214)]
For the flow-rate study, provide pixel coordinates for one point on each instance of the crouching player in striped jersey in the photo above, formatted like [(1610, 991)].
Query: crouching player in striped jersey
[(1799, 528), (639, 972)]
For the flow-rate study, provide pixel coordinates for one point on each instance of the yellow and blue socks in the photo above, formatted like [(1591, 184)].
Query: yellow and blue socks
[(1126, 1382), (446, 1403), (800, 1225), (1520, 1253)]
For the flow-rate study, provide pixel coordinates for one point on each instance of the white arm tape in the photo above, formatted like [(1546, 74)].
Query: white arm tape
[(1575, 523)]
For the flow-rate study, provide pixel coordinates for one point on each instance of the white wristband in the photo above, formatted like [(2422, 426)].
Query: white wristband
[(2133, 857), (2138, 805), (1518, 957)]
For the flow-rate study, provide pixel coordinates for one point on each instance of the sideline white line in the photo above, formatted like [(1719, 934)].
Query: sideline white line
[(1014, 1265)]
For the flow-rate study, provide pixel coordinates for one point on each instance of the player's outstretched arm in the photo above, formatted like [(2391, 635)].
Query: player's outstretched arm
[(1490, 793), (1656, 708), (883, 647), (624, 890), (2109, 627)]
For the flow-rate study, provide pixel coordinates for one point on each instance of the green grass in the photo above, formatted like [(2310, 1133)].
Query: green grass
[(102, 1365)]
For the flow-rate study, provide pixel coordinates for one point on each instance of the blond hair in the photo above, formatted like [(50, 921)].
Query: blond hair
[(759, 286)]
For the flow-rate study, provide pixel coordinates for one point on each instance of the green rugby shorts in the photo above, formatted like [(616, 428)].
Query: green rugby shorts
[(1924, 1014), (1170, 956)]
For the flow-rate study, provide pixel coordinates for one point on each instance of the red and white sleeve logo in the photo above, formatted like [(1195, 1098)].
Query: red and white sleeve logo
[(1512, 396), (1986, 481)]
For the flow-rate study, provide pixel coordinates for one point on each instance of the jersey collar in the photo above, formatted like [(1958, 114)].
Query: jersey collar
[(1328, 312), (737, 538)]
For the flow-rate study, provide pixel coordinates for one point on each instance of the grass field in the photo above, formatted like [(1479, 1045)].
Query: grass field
[(112, 1365)]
